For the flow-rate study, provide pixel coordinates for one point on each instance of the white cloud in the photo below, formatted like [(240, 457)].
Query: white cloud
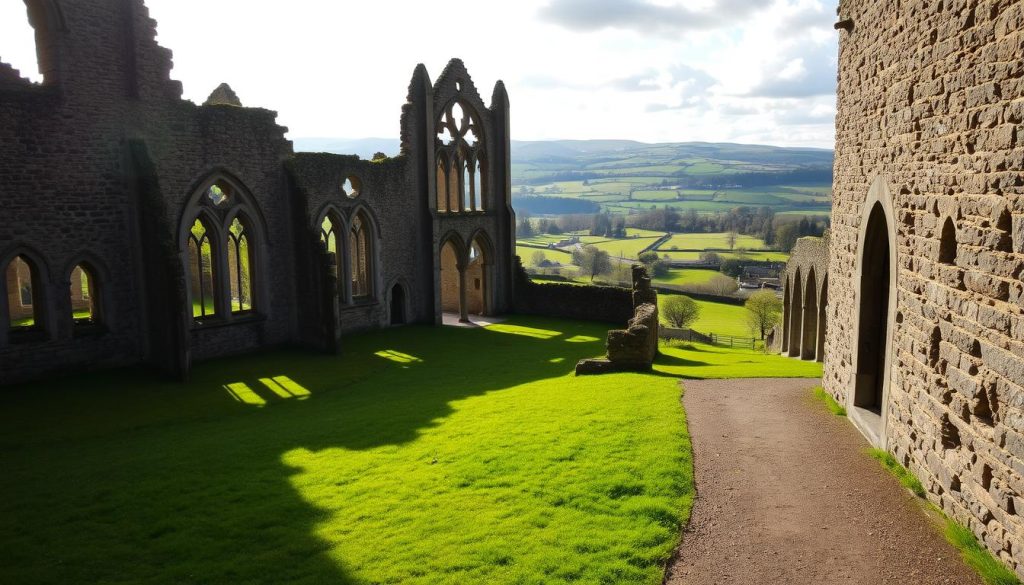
[(712, 70)]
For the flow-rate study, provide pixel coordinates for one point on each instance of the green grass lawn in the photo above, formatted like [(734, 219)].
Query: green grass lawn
[(626, 248), (687, 276), (719, 318), (422, 455), (716, 241), (698, 360), (527, 252)]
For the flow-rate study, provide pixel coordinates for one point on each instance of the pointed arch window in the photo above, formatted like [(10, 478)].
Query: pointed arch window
[(460, 155), (201, 270), (329, 238), (442, 185), (239, 267), (360, 261), (84, 296), (23, 290), (221, 246)]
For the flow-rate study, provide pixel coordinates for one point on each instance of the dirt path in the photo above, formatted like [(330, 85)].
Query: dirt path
[(786, 495)]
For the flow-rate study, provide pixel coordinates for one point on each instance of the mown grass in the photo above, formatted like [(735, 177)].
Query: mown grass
[(830, 403), (901, 473), (422, 455), (988, 567), (686, 276), (628, 248), (703, 361), (991, 571), (717, 241), (719, 318)]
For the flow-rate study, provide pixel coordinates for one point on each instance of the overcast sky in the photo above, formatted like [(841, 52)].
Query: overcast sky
[(752, 71)]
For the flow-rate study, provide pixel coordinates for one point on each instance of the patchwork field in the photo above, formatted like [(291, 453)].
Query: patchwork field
[(717, 241)]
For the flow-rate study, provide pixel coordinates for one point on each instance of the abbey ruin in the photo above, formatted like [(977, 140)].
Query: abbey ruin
[(915, 301), (138, 227)]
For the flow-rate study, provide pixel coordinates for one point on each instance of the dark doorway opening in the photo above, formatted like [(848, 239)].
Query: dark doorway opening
[(873, 341), (397, 305)]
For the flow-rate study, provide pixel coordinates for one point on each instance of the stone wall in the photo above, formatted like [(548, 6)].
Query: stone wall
[(634, 348), (594, 303), (104, 165), (929, 135)]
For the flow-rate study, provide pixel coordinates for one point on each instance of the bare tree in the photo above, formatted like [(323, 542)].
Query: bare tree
[(731, 238), (721, 285)]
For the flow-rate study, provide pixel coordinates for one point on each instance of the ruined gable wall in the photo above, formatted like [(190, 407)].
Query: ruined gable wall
[(390, 194), (931, 100), (66, 185)]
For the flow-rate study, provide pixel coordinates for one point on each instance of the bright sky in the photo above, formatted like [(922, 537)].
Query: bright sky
[(752, 71)]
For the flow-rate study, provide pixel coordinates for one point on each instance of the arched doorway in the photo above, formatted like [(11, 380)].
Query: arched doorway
[(873, 324), (398, 305), (477, 278), (810, 318), (795, 314), (451, 279)]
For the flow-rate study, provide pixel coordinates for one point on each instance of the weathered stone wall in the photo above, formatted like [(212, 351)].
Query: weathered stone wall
[(929, 128), (104, 163), (594, 303), (635, 347)]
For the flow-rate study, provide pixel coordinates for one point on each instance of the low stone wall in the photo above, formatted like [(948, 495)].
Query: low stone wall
[(630, 349), (635, 347), (592, 303)]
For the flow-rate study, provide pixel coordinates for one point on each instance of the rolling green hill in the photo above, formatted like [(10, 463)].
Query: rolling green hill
[(623, 176)]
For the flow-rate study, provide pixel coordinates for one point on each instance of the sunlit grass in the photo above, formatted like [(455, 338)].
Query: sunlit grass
[(422, 455), (703, 361), (829, 402)]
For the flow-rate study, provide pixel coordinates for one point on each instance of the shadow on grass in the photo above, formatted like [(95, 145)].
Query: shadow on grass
[(117, 477)]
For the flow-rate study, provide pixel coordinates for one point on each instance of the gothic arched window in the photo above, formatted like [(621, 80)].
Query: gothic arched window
[(461, 161), (84, 296), (240, 267), (201, 271), (221, 243), (22, 281), (329, 238), (361, 258)]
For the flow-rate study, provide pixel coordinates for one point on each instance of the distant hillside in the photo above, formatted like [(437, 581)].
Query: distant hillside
[(621, 176)]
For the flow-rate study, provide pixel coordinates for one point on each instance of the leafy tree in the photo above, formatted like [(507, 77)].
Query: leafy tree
[(592, 261), (764, 311), (648, 258), (680, 311), (524, 228), (732, 267), (786, 236)]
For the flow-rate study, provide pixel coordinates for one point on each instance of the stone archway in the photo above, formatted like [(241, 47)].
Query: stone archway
[(874, 328), (795, 314), (451, 279), (809, 342), (477, 279)]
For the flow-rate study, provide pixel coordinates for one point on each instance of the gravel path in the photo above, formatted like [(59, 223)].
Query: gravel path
[(785, 494)]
